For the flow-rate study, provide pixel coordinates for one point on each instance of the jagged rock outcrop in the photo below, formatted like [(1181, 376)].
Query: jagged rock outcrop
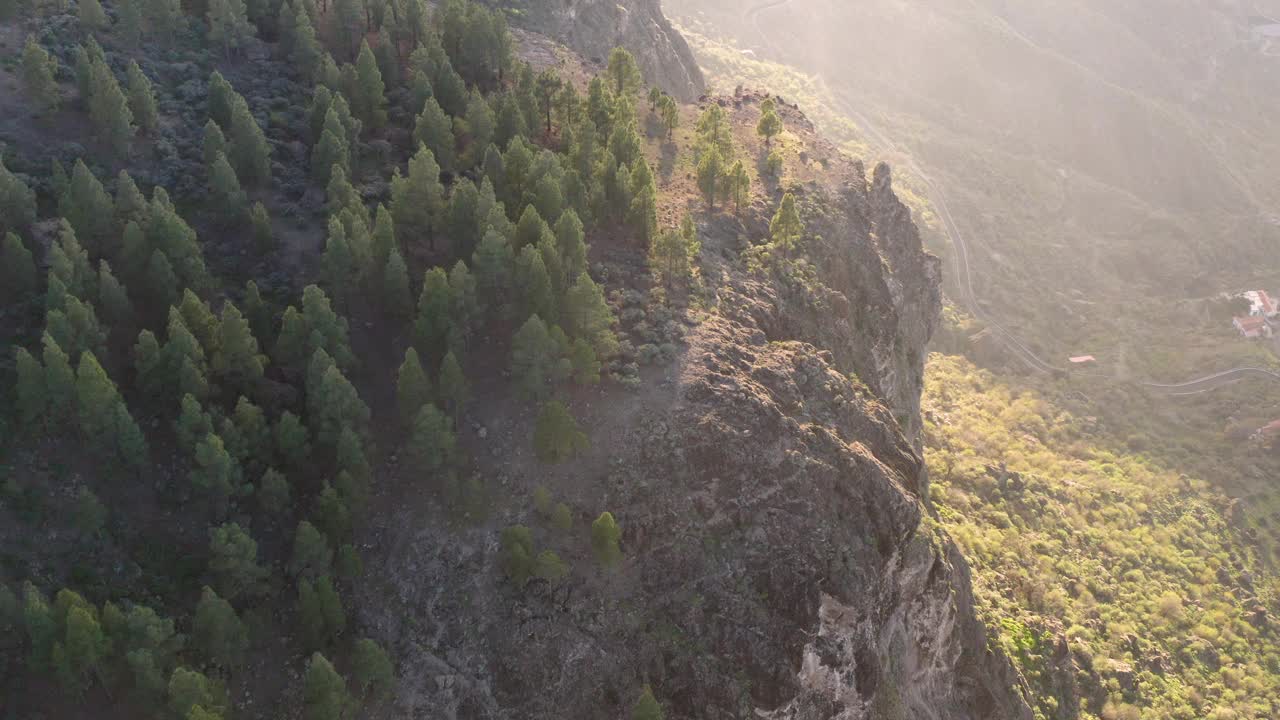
[(594, 27), (778, 563)]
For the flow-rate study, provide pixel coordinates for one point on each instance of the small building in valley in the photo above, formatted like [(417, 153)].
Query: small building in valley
[(1253, 326), (1261, 304)]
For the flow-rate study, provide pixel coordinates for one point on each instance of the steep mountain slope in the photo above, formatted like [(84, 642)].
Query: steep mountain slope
[(594, 27), (779, 560), (703, 489)]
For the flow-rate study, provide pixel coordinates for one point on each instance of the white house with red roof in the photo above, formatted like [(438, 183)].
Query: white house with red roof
[(1261, 304), (1253, 326)]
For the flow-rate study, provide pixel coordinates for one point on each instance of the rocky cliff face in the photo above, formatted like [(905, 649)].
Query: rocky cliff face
[(778, 558), (594, 27)]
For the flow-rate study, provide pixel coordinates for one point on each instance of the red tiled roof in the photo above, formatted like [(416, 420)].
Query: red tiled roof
[(1268, 305), (1251, 323)]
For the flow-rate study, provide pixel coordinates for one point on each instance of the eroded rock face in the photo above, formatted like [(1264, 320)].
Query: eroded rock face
[(594, 27), (778, 563)]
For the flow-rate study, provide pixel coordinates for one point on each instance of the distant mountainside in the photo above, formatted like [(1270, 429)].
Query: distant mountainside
[(1093, 151)]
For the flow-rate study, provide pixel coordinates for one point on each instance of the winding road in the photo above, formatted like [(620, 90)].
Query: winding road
[(961, 256)]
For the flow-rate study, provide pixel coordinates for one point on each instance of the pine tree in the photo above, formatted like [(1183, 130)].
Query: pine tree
[(530, 229), (131, 444), (348, 26), (452, 386), (570, 239), (517, 554), (292, 442), (786, 229), (586, 366), (605, 534), (338, 406), (215, 472), (60, 381), (711, 177), (372, 670), (667, 257), (218, 632), (369, 101), (82, 649), (130, 204), (258, 313), (416, 199), (76, 327), (432, 444), (322, 613), (535, 294), (383, 240), (89, 211), (509, 122), (647, 707), (434, 129), (31, 395), (623, 73), (236, 359), (433, 323), (199, 320), (91, 15), (233, 561), (306, 51), (250, 153), (96, 399), (396, 299), (481, 125), (109, 109), (535, 362), (142, 99), (325, 695), (162, 282), (311, 555), (413, 389), (260, 222), (556, 437), (149, 365), (770, 124), (643, 213), (193, 423), (587, 315), (191, 693), (38, 71), (670, 114), (215, 143), (293, 341), (165, 18), (221, 98), (337, 261), (228, 199), (17, 202), (465, 308), (713, 132), (773, 164), (17, 271), (112, 298), (129, 22), (327, 325), (229, 24), (85, 57), (493, 263), (273, 492)]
